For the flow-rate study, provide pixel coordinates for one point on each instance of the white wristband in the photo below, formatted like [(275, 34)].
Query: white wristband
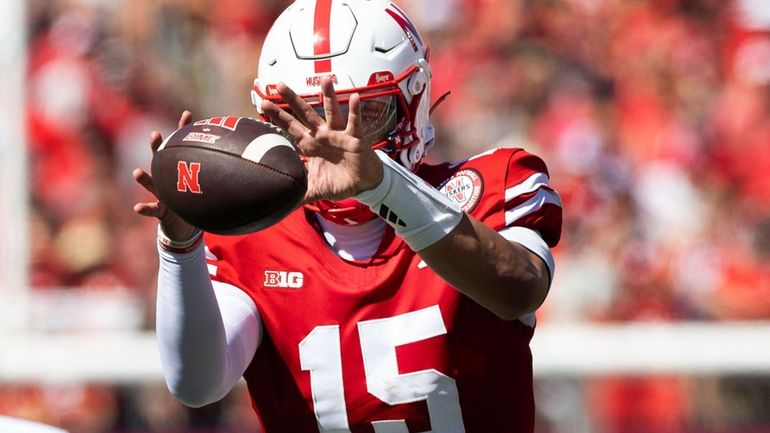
[(420, 214), (180, 247)]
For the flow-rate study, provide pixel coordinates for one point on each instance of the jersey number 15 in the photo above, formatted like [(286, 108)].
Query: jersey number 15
[(320, 354)]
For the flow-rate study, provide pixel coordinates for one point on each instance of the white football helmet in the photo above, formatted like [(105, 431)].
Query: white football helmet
[(369, 47)]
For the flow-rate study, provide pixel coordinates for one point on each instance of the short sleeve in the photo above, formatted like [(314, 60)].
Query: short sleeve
[(529, 199)]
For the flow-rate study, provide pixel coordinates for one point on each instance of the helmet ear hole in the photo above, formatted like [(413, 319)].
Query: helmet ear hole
[(417, 83), (419, 78)]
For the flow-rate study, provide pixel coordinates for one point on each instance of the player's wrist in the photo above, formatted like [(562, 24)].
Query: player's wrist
[(374, 195), (418, 212), (373, 175), (186, 245)]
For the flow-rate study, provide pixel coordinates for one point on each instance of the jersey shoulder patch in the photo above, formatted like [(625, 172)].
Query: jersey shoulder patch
[(465, 187), (472, 183)]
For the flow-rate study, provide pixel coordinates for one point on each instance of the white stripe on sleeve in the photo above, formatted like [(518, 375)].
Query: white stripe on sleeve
[(530, 184), (543, 197)]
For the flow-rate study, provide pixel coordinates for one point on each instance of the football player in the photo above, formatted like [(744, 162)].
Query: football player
[(401, 296)]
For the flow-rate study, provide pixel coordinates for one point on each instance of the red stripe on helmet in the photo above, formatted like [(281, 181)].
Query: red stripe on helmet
[(407, 22), (405, 26), (321, 33)]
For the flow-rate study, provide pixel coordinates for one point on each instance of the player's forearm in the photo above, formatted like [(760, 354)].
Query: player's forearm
[(502, 276), (190, 331)]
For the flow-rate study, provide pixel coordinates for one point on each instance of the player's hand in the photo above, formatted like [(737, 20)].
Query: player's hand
[(173, 226), (340, 162)]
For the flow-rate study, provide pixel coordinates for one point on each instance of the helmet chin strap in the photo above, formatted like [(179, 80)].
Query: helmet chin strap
[(438, 101)]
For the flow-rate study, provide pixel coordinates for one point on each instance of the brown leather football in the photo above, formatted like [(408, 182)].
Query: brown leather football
[(229, 175)]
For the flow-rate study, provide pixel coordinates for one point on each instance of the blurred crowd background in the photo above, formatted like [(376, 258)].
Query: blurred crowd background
[(653, 116)]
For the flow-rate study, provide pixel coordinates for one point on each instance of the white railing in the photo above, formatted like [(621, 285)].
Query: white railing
[(575, 350)]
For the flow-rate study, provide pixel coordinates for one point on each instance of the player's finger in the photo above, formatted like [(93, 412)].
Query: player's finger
[(148, 209), (285, 121), (156, 209), (301, 109), (185, 118), (331, 106), (155, 141), (354, 116), (143, 178)]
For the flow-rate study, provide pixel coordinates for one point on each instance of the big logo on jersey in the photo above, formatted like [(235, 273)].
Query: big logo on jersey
[(284, 279), (465, 188)]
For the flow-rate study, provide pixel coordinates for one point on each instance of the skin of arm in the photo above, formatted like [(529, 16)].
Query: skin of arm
[(502, 276)]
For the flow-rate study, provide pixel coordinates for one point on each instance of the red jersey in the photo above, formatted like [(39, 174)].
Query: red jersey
[(385, 345)]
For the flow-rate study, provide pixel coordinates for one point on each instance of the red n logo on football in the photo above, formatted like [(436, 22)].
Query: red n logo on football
[(187, 179)]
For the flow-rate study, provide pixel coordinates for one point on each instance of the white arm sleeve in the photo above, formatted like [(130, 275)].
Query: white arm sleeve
[(207, 332)]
